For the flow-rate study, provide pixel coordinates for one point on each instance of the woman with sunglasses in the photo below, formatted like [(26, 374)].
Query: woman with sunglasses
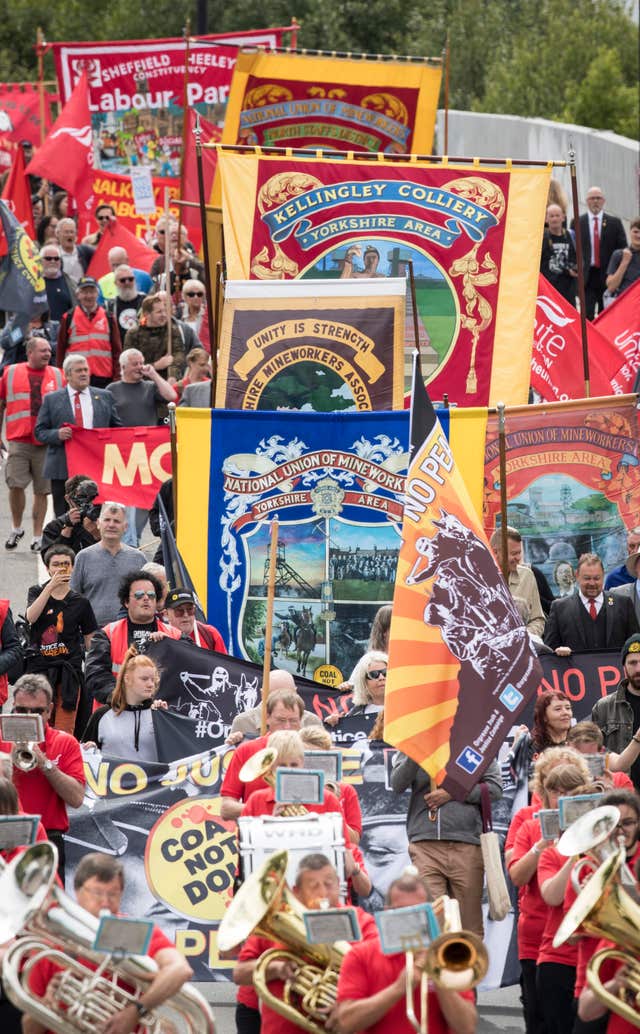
[(192, 310), (124, 728), (369, 678)]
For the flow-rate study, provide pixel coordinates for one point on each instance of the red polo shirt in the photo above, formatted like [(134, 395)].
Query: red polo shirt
[(231, 784), (533, 910), (37, 796)]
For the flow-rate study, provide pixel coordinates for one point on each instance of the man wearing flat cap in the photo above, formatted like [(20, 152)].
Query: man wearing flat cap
[(632, 589), (88, 329), (618, 714), (180, 606)]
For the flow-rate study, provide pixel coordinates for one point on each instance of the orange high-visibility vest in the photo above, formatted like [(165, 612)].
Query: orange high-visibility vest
[(19, 422), (90, 337)]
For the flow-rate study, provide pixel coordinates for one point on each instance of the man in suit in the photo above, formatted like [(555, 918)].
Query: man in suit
[(601, 235), (632, 589), (591, 619), (76, 404)]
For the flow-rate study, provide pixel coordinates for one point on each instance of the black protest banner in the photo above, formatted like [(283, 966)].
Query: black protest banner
[(584, 677)]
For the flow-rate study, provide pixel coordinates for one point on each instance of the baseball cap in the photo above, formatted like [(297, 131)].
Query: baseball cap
[(179, 596), (632, 645), (86, 281)]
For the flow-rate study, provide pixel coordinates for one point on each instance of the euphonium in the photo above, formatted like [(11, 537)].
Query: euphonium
[(592, 835), (264, 905), (457, 960), (259, 766), (51, 926)]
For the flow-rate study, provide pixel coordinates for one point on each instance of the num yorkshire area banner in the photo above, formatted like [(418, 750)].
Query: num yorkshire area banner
[(313, 345), (336, 483), (462, 227), (461, 664), (573, 482), (128, 464), (136, 93), (339, 103)]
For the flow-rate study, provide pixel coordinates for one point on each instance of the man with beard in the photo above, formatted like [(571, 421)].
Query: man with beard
[(124, 306), (59, 286), (618, 714), (151, 337), (118, 256)]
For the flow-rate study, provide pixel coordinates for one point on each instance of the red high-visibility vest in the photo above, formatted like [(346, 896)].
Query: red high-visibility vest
[(90, 337), (19, 422)]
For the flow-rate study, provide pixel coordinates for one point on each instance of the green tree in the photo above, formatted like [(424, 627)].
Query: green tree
[(603, 100)]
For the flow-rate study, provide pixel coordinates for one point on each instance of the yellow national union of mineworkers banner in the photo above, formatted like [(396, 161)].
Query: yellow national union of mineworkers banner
[(325, 346), (304, 100), (471, 232)]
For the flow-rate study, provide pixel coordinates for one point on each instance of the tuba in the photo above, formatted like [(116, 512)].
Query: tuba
[(456, 960), (603, 909), (264, 905), (49, 925), (259, 766)]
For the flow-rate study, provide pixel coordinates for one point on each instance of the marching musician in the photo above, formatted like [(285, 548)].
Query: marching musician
[(314, 737), (372, 986), (316, 882), (99, 884), (290, 754), (58, 777)]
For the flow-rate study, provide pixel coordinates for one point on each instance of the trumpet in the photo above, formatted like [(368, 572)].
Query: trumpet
[(457, 960), (259, 766), (23, 756)]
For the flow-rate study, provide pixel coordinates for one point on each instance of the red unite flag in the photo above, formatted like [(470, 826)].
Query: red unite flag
[(17, 195), (620, 323), (556, 361), (66, 157)]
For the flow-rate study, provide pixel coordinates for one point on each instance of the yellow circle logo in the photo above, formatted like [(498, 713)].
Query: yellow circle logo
[(191, 859), (328, 674)]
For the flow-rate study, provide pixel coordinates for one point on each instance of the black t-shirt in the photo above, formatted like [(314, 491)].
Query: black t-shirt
[(558, 257), (138, 635), (58, 632), (634, 700)]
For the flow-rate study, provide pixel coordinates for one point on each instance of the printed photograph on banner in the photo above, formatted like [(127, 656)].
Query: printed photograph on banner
[(458, 225), (336, 483), (322, 348), (573, 484)]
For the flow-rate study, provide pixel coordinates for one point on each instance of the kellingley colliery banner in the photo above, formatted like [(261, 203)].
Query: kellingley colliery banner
[(462, 227), (573, 480), (336, 483), (326, 346), (311, 101)]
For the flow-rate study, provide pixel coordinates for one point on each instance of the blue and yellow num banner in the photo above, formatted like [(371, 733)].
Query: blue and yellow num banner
[(336, 483)]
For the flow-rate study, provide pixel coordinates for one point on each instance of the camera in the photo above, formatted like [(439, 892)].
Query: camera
[(83, 498)]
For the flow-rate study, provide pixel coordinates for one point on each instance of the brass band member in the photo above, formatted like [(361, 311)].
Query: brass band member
[(372, 986), (99, 883)]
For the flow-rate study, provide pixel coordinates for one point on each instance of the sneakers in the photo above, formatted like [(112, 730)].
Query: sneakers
[(14, 539), (36, 545)]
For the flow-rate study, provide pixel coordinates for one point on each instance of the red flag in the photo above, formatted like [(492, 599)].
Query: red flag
[(17, 194), (191, 216), (117, 236), (66, 157), (556, 360), (620, 323)]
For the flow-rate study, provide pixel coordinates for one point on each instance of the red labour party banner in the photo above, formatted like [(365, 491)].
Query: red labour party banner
[(556, 360), (129, 464)]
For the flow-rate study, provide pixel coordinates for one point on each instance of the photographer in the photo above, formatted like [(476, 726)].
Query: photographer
[(77, 527), (76, 406)]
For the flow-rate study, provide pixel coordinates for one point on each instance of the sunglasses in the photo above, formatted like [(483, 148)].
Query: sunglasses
[(126, 280), (52, 258), (194, 294), (139, 594), (377, 673), (29, 710), (103, 218)]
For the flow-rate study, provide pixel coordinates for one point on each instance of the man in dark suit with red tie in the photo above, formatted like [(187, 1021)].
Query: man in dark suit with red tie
[(77, 404), (591, 619), (601, 235)]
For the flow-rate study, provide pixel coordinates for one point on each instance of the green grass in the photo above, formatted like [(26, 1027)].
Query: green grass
[(354, 589)]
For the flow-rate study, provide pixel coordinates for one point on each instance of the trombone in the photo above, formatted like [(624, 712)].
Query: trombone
[(456, 960)]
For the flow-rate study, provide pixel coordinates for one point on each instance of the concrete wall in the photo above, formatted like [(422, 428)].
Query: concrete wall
[(602, 159)]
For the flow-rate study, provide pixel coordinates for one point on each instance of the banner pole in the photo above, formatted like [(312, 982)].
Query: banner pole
[(446, 94), (41, 48), (580, 267), (205, 252), (186, 32), (414, 306), (502, 445), (173, 432), (167, 265), (268, 632), (214, 341)]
